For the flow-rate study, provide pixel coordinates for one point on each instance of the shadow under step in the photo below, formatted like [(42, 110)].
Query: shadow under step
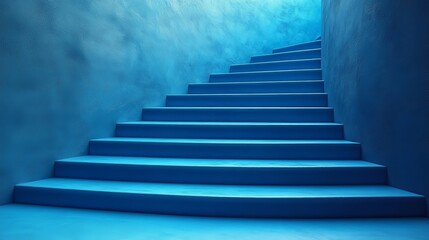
[(224, 200), (222, 171)]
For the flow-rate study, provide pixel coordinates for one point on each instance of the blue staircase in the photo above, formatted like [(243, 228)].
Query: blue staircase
[(259, 141)]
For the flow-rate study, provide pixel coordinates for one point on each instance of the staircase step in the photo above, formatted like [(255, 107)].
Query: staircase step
[(230, 130), (278, 65), (226, 148), (258, 87), (257, 142), (249, 100), (222, 171), (291, 55), (224, 200), (239, 114), (302, 46), (286, 75)]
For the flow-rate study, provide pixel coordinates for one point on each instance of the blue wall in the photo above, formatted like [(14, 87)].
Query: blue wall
[(376, 68), (70, 69)]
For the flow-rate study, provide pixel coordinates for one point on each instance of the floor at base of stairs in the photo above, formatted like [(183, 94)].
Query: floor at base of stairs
[(27, 222)]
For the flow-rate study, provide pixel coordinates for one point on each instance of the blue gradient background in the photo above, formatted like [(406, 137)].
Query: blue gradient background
[(70, 69)]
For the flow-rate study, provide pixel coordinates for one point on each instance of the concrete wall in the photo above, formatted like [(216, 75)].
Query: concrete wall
[(70, 69), (376, 67)]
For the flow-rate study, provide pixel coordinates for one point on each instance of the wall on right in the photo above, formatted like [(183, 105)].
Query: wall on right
[(376, 69)]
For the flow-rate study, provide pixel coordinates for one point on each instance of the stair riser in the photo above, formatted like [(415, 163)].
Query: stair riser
[(225, 150), (223, 175), (230, 132), (267, 76), (272, 66), (287, 56), (304, 46), (313, 207), (317, 100), (239, 115), (279, 87)]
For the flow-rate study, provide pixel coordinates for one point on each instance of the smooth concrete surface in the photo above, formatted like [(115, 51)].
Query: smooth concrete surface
[(279, 75), (375, 67), (314, 63), (69, 70), (222, 171), (226, 148), (249, 100), (230, 130), (291, 55), (211, 190), (266, 163), (26, 222), (306, 45), (239, 114), (258, 87)]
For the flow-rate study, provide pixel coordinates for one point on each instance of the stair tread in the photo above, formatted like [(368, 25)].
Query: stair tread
[(223, 141), (198, 162), (239, 114), (270, 71), (294, 51), (302, 43), (256, 82), (279, 61), (233, 123), (246, 94), (277, 65), (237, 108), (223, 191)]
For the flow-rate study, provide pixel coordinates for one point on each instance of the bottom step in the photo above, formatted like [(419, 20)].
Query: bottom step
[(224, 200)]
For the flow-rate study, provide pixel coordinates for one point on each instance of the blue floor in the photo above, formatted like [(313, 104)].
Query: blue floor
[(27, 222)]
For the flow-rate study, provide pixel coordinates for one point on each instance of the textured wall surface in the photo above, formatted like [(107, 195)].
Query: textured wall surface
[(70, 69), (376, 67)]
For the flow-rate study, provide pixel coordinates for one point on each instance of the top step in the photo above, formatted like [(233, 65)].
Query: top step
[(301, 46)]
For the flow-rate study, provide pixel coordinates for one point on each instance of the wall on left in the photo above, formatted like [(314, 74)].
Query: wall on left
[(70, 69)]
